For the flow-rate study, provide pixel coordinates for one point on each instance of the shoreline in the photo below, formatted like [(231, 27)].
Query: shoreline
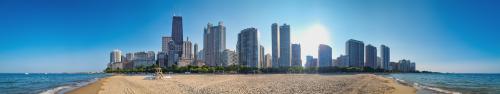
[(422, 89), (137, 83), (91, 88)]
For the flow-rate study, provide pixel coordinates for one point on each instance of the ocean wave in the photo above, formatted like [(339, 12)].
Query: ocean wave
[(416, 85), (66, 88), (8, 82)]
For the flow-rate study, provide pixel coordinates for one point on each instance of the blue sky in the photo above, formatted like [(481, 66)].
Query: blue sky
[(77, 35)]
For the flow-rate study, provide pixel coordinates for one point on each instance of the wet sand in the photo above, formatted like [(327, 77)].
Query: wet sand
[(248, 84)]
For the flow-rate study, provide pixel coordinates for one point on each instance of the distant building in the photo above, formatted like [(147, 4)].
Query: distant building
[(296, 60), (393, 66), (309, 61), (371, 56), (248, 48), (177, 30), (116, 59), (128, 64), (385, 56), (379, 64), (229, 58), (116, 56), (164, 43), (275, 35), (315, 63), (342, 61), (405, 66), (187, 57), (177, 33), (285, 52), (261, 57), (355, 51), (162, 59), (195, 54), (268, 61), (144, 59), (200, 55), (325, 55), (173, 55), (214, 42), (187, 49)]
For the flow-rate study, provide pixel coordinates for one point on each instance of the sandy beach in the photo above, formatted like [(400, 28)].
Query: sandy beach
[(248, 84)]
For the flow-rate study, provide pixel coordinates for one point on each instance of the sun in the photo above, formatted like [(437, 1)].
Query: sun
[(311, 38)]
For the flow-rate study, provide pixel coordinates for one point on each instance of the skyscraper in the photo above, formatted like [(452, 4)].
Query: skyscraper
[(173, 55), (214, 43), (355, 52), (296, 60), (129, 57), (248, 47), (371, 56), (325, 55), (268, 61), (275, 35), (261, 57), (195, 54), (162, 59), (164, 43), (285, 52), (186, 58), (187, 49), (309, 61), (115, 56), (385, 56), (315, 63), (177, 31)]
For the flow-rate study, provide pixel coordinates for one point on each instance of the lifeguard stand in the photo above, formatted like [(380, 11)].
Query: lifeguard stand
[(159, 74)]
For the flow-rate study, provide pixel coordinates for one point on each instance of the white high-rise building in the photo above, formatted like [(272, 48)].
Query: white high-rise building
[(248, 48), (268, 61), (115, 61), (214, 43), (261, 57), (116, 56), (229, 58)]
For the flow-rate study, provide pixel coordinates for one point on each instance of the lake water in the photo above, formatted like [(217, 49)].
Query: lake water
[(41, 83), (451, 82)]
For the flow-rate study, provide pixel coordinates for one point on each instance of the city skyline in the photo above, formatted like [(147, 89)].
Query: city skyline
[(337, 32)]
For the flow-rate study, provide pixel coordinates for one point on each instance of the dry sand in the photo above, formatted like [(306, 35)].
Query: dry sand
[(248, 84)]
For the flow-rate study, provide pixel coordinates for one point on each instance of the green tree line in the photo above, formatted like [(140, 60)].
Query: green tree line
[(234, 69)]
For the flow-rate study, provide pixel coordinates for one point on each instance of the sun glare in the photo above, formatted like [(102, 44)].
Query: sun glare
[(310, 39)]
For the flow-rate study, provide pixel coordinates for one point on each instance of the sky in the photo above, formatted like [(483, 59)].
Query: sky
[(459, 36)]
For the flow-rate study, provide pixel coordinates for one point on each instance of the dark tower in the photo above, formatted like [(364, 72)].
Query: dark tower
[(177, 36)]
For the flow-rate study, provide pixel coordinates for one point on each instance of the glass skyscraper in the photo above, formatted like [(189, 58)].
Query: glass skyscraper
[(371, 56), (385, 55), (325, 55), (355, 51), (285, 52)]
